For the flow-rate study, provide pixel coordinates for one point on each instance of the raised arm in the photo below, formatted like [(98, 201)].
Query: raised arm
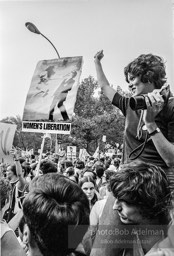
[(102, 80), (16, 155)]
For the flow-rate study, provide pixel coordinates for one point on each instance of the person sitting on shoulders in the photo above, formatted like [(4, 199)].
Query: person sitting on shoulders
[(149, 122)]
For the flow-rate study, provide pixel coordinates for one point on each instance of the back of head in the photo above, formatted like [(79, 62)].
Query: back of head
[(150, 67), (80, 165), (32, 157), (68, 163), (99, 171), (48, 166), (145, 186), (53, 205)]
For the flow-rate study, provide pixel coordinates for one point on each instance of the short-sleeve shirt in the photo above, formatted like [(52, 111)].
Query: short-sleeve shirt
[(164, 120)]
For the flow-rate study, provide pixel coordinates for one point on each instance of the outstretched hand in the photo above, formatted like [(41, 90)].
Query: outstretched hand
[(99, 55), (16, 152)]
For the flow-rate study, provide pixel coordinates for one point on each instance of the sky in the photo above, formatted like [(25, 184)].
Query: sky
[(124, 29)]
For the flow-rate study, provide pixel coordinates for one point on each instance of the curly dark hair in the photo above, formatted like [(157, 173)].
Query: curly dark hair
[(146, 187), (150, 67)]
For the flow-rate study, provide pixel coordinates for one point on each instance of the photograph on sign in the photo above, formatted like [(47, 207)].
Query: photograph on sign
[(71, 152), (53, 90)]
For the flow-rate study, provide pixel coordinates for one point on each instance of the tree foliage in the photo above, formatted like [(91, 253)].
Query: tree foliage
[(95, 117)]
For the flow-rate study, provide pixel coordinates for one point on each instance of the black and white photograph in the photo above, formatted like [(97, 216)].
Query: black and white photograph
[(87, 127)]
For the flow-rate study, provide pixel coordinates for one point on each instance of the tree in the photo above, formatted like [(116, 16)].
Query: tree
[(95, 116)]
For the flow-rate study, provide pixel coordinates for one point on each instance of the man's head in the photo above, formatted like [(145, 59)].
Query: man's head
[(53, 205), (142, 194), (145, 73), (11, 172)]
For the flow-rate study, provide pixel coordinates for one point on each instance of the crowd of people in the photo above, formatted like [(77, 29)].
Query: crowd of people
[(105, 206)]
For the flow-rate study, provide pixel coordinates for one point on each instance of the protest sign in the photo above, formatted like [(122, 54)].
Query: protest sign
[(52, 95), (71, 152), (7, 132), (46, 127), (83, 154)]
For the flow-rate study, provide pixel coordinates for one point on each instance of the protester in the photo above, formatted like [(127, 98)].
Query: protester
[(9, 242), (55, 210), (142, 199), (47, 166), (96, 212), (154, 125), (70, 173), (79, 167), (26, 169), (89, 172), (105, 188), (64, 164), (99, 170), (19, 185), (88, 186)]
